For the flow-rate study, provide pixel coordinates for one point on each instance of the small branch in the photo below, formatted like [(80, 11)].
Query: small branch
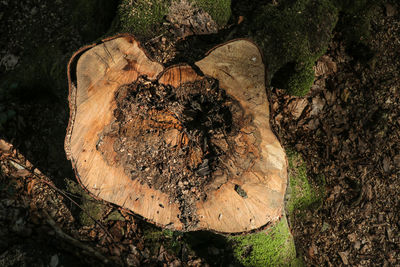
[(76, 243), (66, 196)]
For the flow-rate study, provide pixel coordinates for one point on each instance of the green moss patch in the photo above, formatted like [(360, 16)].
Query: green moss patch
[(145, 17), (92, 209), (219, 10), (355, 26), (294, 31), (273, 247), (300, 193), (154, 237), (142, 17)]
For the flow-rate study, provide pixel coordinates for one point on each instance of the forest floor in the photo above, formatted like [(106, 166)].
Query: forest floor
[(346, 129)]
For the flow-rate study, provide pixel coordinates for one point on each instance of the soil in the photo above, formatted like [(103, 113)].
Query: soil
[(174, 139)]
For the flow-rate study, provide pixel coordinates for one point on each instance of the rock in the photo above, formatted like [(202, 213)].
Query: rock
[(386, 164)]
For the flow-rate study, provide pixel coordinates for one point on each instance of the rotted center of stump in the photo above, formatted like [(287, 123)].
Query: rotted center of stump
[(176, 140)]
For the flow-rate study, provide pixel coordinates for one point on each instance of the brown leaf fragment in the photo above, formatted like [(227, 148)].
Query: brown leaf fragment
[(297, 106), (325, 65), (23, 173), (343, 256), (5, 146), (386, 164), (317, 105)]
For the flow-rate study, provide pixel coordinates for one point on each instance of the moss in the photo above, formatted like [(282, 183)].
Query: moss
[(294, 31), (297, 78), (300, 82), (142, 17), (154, 237), (115, 216), (145, 17), (355, 27), (300, 194), (92, 209), (219, 10), (273, 247)]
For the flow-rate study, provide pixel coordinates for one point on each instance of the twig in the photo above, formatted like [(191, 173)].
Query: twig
[(72, 241), (65, 195)]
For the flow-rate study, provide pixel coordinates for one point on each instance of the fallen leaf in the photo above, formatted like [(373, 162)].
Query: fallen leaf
[(297, 106), (343, 256), (325, 65), (5, 146), (317, 105)]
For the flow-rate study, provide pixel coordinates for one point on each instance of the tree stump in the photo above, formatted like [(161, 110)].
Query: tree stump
[(187, 148)]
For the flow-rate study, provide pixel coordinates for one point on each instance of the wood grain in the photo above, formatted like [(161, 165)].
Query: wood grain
[(100, 70)]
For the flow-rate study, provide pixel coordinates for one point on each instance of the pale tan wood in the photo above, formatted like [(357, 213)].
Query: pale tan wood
[(239, 68), (100, 71)]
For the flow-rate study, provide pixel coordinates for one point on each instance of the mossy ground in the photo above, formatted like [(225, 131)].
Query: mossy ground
[(301, 194), (219, 10), (91, 208), (292, 35), (293, 32), (273, 247), (154, 237), (145, 18)]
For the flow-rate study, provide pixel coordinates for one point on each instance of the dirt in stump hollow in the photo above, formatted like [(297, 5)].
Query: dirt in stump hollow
[(173, 139)]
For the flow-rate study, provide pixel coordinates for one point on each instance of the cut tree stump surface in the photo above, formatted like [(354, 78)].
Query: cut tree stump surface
[(212, 129)]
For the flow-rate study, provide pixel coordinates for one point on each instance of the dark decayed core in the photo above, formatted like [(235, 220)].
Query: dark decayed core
[(173, 139)]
